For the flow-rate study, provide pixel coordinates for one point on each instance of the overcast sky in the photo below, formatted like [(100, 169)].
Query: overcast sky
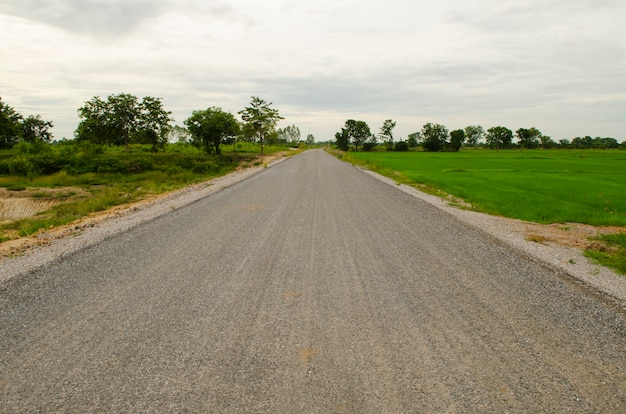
[(558, 65)]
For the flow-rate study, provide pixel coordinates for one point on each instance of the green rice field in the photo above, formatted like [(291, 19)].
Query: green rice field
[(543, 186)]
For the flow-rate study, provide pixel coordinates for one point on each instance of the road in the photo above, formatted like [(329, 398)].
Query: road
[(310, 287)]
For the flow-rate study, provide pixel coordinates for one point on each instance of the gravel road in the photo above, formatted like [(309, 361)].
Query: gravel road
[(309, 287)]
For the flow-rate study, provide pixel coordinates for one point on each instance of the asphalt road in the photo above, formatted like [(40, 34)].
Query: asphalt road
[(310, 287)]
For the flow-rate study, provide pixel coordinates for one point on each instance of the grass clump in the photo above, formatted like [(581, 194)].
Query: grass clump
[(610, 252)]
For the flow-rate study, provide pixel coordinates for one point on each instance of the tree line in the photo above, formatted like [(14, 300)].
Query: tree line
[(436, 137), (123, 119)]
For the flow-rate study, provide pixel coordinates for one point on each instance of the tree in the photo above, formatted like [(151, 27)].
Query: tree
[(310, 139), (260, 120), (122, 119), (124, 115), (456, 139), (434, 137), (35, 129), (358, 132), (547, 142), (414, 139), (528, 138), (154, 122), (290, 134), (386, 132), (342, 139), (499, 137), (10, 126), (473, 134), (211, 127)]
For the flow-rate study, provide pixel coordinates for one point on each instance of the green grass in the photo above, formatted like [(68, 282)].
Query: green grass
[(611, 252), (540, 186)]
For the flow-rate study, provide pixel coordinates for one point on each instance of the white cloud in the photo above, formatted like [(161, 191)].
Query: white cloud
[(558, 65)]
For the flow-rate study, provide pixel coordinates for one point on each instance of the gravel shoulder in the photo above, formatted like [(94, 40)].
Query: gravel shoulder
[(559, 247)]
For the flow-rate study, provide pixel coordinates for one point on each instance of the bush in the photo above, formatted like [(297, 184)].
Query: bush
[(368, 146), (401, 146)]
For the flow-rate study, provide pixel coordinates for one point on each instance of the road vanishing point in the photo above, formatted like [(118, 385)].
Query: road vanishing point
[(311, 287)]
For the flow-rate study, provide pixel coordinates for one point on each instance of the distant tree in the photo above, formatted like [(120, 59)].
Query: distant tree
[(10, 126), (605, 143), (401, 146), (154, 123), (499, 137), (211, 127), (564, 143), (36, 129), (290, 135), (582, 143), (414, 139), (370, 143), (310, 139), (434, 137), (124, 115), (358, 132), (342, 140), (456, 139), (473, 134), (260, 119), (122, 119), (528, 138), (386, 132), (547, 142)]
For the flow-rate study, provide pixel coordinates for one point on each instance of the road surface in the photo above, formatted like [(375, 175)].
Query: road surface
[(311, 287)]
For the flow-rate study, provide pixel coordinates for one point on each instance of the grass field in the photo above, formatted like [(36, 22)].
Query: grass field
[(543, 186)]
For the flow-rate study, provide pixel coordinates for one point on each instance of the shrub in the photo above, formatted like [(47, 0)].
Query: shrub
[(401, 146)]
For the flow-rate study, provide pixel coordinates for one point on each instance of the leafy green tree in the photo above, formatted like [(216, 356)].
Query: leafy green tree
[(289, 135), (36, 129), (260, 119), (10, 126), (434, 137), (122, 119), (358, 132), (124, 116), (386, 132), (499, 137), (605, 143), (528, 138), (456, 139), (547, 142), (342, 140), (582, 143), (401, 146), (414, 139), (154, 122), (473, 134), (310, 139), (211, 127), (564, 143)]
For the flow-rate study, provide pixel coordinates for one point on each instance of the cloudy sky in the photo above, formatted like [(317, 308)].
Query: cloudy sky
[(558, 65)]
